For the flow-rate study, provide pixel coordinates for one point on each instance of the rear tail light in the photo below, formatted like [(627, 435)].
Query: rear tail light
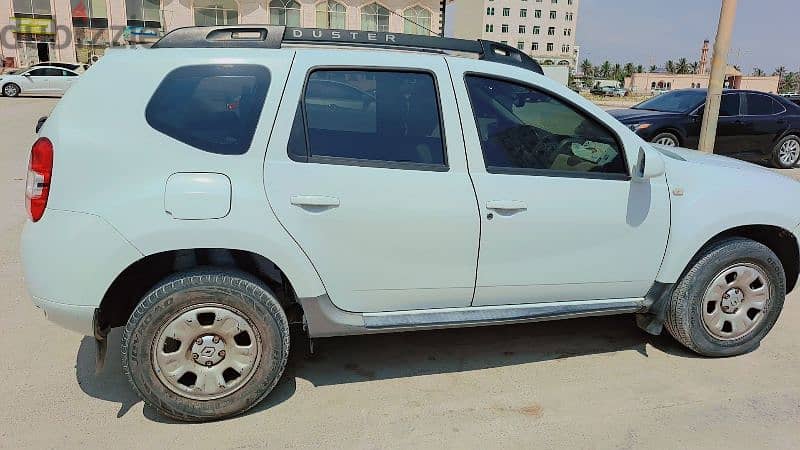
[(40, 171)]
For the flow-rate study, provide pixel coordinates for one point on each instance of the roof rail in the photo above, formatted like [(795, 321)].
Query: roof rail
[(274, 36)]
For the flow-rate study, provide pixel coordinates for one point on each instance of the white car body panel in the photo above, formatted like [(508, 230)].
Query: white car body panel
[(578, 238), (40, 85), (400, 239)]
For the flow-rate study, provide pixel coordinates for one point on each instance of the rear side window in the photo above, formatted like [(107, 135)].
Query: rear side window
[(214, 108), (761, 105), (362, 115)]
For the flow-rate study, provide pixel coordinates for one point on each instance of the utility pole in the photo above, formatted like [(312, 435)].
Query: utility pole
[(708, 133)]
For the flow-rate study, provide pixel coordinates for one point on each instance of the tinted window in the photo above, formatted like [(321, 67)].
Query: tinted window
[(45, 72), (522, 128), (729, 106), (675, 101), (371, 115), (67, 73), (761, 105), (212, 107)]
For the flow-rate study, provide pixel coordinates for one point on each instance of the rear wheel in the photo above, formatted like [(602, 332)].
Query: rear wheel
[(666, 139), (11, 90), (786, 153), (729, 299), (206, 345)]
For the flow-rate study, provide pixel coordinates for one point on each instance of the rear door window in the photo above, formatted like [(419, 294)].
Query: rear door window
[(214, 108), (388, 117), (760, 105)]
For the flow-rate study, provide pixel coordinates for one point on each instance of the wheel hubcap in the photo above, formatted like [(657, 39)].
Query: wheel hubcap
[(206, 352), (667, 141), (735, 302), (10, 91), (789, 152)]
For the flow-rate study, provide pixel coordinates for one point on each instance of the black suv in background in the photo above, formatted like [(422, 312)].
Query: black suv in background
[(752, 125)]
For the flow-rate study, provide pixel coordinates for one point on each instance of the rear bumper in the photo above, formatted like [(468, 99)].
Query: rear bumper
[(76, 318)]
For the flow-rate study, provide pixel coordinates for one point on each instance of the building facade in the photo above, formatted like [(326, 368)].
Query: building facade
[(33, 31), (544, 29), (652, 82)]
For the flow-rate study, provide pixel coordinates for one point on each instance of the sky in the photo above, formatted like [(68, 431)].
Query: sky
[(650, 32)]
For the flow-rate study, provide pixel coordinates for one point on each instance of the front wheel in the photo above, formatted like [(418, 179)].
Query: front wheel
[(786, 153), (729, 299), (11, 90), (206, 345)]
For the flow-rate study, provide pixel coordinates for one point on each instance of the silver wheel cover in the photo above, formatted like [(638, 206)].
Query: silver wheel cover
[(735, 301), (789, 152)]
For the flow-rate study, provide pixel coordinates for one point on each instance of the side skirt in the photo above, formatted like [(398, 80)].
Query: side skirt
[(323, 318)]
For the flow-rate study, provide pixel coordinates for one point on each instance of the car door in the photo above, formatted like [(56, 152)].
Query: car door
[(765, 122), (732, 129), (36, 81), (61, 80), (561, 218), (372, 183)]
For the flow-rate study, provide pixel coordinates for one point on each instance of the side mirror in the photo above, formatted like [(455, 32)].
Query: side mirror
[(649, 164)]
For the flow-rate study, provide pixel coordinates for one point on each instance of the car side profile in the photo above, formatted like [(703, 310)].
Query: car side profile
[(37, 80), (752, 125), (258, 179)]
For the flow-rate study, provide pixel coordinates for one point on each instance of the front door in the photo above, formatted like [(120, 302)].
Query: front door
[(561, 218), (37, 81), (732, 127), (372, 183)]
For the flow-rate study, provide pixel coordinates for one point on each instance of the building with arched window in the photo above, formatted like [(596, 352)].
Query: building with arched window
[(86, 28)]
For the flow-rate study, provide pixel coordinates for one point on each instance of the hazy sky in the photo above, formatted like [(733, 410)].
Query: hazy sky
[(767, 32)]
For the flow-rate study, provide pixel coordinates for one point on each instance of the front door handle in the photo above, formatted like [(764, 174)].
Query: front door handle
[(506, 205), (315, 200)]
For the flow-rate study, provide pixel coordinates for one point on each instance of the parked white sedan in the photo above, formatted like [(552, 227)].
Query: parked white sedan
[(40, 80)]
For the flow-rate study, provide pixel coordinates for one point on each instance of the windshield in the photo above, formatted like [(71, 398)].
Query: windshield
[(675, 101), (18, 71)]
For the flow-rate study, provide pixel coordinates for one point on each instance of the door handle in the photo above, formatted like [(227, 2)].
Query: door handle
[(314, 200), (506, 205)]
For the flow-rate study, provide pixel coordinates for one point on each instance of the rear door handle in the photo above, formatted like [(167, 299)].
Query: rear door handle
[(315, 200), (506, 205)]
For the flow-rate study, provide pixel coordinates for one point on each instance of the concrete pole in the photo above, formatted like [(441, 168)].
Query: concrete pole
[(708, 133)]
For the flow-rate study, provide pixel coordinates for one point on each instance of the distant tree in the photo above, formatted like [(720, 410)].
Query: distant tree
[(757, 72), (605, 69), (695, 67), (653, 68), (682, 66), (670, 66), (616, 72), (790, 83), (737, 67), (639, 69), (628, 69), (587, 68)]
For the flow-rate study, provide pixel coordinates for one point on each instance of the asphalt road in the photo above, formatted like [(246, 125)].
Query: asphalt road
[(584, 383)]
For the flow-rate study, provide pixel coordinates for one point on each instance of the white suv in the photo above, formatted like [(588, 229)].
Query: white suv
[(252, 178)]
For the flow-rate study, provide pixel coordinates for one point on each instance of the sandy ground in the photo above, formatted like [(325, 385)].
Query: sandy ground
[(586, 383)]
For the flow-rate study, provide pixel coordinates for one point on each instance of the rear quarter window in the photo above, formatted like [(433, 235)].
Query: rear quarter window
[(214, 108)]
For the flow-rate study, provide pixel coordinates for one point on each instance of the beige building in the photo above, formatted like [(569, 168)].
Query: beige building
[(545, 29), (649, 82), (76, 30)]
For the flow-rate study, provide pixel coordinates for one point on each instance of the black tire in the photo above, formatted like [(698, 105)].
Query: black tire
[(11, 90), (684, 319), (776, 159), (665, 135), (236, 290)]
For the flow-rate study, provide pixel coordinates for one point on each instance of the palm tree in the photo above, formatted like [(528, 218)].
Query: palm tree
[(629, 69), (605, 69), (695, 67), (639, 68), (616, 72), (653, 68), (670, 66), (587, 68), (780, 72), (682, 66), (790, 83), (757, 72)]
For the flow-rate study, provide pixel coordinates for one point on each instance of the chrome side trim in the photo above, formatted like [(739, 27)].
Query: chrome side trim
[(324, 319)]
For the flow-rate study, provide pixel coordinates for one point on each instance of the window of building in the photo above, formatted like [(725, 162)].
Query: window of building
[(375, 17), (490, 11), (379, 116), (89, 13), (520, 45), (565, 48), (523, 12), (523, 130), (214, 108), (215, 12), (521, 29), (536, 29), (567, 31), (506, 12), (551, 31), (143, 13), (504, 28), (555, 2), (418, 20), (32, 9), (568, 17), (504, 42), (553, 14), (569, 2), (331, 14), (537, 14), (489, 28), (284, 12), (534, 46), (550, 47)]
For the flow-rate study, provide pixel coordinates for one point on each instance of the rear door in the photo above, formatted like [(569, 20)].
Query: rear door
[(765, 122), (373, 183), (61, 81)]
